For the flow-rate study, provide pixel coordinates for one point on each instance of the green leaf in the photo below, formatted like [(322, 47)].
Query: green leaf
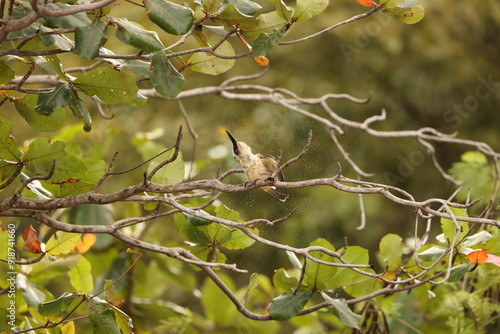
[(431, 253), (244, 7), (66, 21), (305, 9), (406, 15), (266, 41), (109, 85), (171, 173), (57, 40), (57, 306), (90, 38), (218, 308), (173, 18), (345, 276), (8, 144), (477, 175), (195, 221), (165, 78), (102, 318), (458, 272), (62, 243), (192, 233), (344, 313), (449, 228), (29, 290), (208, 253), (58, 97), (26, 108), (283, 281), (211, 6), (265, 23), (80, 110), (283, 11), (210, 64), (135, 35), (6, 73), (288, 305), (239, 240), (319, 276), (80, 276), (391, 250)]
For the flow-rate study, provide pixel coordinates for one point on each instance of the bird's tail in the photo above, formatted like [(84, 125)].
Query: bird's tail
[(282, 197)]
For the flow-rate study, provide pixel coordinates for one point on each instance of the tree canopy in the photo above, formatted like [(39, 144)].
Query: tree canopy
[(123, 210)]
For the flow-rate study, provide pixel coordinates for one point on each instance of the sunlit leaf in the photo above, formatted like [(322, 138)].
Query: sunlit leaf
[(80, 276), (391, 250), (319, 276), (171, 173), (283, 281), (165, 78), (111, 86), (62, 243), (6, 73), (305, 9), (288, 305), (90, 38), (431, 253), (265, 23), (283, 11), (407, 15), (8, 144), (173, 18), (210, 64)]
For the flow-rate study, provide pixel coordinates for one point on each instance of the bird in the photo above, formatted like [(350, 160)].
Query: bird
[(256, 166)]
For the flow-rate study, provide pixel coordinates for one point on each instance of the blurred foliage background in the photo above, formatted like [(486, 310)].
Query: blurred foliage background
[(418, 73)]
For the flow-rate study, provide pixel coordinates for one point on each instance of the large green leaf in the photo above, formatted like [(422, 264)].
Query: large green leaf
[(164, 77), (58, 305), (283, 281), (288, 305), (62, 243), (320, 276), (57, 97), (216, 305), (90, 38), (26, 108), (391, 250), (171, 173), (80, 276), (209, 64), (109, 85), (344, 313), (306, 9), (266, 41), (346, 276), (173, 18), (137, 36), (6, 73), (102, 318), (265, 23), (8, 144), (283, 11), (245, 7), (55, 40)]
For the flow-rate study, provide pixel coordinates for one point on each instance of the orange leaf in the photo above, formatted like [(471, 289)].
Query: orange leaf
[(367, 3), (85, 243), (478, 256), (261, 60), (31, 242)]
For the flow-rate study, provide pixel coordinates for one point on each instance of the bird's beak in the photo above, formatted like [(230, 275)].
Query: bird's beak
[(234, 141)]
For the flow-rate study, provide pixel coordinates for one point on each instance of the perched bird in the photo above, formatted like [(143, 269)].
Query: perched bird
[(256, 166)]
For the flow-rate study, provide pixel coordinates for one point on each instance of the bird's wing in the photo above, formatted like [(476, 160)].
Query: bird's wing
[(271, 165)]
